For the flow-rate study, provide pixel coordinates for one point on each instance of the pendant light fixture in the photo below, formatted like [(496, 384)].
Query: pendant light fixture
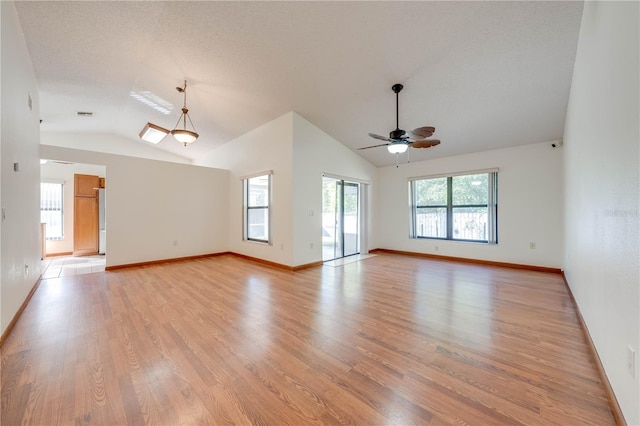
[(183, 135)]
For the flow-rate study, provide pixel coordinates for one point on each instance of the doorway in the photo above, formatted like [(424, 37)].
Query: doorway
[(75, 221), (340, 218)]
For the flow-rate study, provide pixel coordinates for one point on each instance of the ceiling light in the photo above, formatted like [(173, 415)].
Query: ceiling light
[(153, 133), (397, 148), (183, 135)]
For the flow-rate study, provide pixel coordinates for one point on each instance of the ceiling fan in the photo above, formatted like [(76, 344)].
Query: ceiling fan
[(399, 140)]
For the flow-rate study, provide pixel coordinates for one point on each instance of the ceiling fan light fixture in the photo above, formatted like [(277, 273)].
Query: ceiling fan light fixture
[(397, 148), (153, 133), (399, 140)]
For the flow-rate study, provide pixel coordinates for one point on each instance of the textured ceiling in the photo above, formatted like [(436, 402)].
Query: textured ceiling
[(485, 74)]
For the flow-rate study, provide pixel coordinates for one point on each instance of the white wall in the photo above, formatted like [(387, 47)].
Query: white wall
[(64, 173), (602, 190), (158, 210), (109, 144), (268, 147), (20, 191), (298, 153), (315, 153), (529, 206)]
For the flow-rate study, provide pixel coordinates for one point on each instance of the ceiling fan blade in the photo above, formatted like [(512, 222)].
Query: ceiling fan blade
[(426, 143), (382, 138), (422, 132), (374, 146)]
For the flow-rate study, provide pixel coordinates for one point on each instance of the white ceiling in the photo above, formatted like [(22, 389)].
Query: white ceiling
[(486, 74)]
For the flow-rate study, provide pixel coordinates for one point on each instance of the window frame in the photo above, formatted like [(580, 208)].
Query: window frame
[(491, 206), (247, 207)]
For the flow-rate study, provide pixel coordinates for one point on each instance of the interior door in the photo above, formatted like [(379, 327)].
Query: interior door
[(340, 219), (85, 215)]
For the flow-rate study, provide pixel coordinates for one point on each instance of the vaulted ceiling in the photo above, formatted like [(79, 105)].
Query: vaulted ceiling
[(485, 74)]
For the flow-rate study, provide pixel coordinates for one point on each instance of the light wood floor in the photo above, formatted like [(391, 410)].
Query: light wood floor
[(387, 340)]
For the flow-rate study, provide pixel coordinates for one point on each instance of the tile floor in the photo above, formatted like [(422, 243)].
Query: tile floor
[(54, 267)]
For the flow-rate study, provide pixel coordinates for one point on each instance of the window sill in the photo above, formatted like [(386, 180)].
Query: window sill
[(262, 243), (486, 243)]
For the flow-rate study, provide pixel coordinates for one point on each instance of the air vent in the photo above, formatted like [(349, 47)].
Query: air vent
[(84, 114)]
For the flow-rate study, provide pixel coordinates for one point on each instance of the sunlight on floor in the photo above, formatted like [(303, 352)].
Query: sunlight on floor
[(349, 259), (54, 267)]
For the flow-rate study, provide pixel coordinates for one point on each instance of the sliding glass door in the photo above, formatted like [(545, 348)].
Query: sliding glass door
[(340, 218)]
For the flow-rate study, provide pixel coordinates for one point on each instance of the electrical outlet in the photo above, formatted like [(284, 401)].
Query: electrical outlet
[(175, 243), (26, 269), (310, 245), (631, 361), (437, 248), (532, 246)]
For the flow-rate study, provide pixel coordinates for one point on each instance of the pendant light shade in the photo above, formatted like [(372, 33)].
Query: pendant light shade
[(184, 135)]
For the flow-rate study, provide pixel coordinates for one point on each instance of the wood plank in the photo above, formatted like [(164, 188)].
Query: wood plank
[(223, 340)]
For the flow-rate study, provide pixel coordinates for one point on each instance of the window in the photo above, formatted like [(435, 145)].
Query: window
[(257, 198), (51, 196), (460, 207)]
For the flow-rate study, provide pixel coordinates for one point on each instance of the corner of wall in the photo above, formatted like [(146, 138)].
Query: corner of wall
[(602, 190), (20, 168)]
